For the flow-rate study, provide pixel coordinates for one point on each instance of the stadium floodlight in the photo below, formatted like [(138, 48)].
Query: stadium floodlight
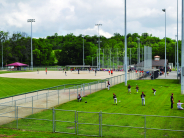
[(83, 51), (125, 64), (177, 41), (164, 10), (31, 20), (175, 51), (98, 42)]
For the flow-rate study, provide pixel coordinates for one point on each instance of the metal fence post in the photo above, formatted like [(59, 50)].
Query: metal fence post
[(15, 110), (17, 117), (53, 120), (83, 90), (69, 94), (145, 126), (114, 80), (101, 84), (97, 85), (101, 122), (75, 123), (32, 104), (58, 95), (99, 125), (46, 100), (90, 88), (77, 90)]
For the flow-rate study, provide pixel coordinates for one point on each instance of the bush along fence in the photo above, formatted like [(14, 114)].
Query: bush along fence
[(88, 123)]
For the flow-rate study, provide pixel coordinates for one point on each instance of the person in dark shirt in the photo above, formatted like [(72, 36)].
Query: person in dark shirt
[(129, 88), (137, 88), (143, 98), (95, 72), (108, 85), (154, 91), (172, 101), (79, 98), (115, 98)]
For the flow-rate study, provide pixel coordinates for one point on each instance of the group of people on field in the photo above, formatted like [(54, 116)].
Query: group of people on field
[(142, 96)]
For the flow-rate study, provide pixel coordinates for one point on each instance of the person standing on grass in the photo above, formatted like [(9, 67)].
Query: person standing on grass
[(154, 91), (137, 88), (179, 105), (79, 98), (143, 98), (108, 85), (129, 88), (115, 98), (172, 101)]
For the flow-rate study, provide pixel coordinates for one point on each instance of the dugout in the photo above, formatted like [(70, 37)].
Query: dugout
[(152, 73)]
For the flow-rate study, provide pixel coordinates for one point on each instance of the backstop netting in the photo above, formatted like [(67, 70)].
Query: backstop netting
[(147, 57)]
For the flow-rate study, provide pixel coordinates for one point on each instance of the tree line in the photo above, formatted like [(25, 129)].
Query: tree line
[(68, 49)]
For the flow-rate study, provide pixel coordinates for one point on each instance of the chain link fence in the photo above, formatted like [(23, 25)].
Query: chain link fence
[(93, 123)]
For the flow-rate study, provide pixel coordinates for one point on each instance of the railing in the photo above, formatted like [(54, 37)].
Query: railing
[(86, 123)]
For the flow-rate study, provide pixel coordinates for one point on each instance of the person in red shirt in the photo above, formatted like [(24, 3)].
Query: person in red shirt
[(109, 72)]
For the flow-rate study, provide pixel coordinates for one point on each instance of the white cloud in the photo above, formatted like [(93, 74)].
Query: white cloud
[(80, 17)]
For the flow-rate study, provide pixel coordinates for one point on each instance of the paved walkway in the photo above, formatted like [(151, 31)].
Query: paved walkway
[(172, 75)]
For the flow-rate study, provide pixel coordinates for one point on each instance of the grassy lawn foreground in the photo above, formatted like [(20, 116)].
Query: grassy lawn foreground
[(127, 103)]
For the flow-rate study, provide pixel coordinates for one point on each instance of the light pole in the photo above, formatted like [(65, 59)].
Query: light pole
[(125, 49), (175, 52), (83, 51), (138, 50), (164, 10), (2, 55), (182, 51), (31, 20), (177, 40), (98, 42)]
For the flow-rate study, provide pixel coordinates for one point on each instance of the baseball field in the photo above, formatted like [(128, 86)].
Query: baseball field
[(103, 102)]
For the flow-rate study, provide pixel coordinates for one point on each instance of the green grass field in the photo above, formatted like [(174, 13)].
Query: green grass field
[(15, 86), (127, 103)]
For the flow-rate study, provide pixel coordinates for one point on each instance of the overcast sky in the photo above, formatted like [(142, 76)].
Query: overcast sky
[(80, 16)]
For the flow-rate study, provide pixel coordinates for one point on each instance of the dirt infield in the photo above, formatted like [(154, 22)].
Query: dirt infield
[(61, 75)]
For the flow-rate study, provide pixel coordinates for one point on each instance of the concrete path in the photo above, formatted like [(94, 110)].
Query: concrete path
[(172, 75)]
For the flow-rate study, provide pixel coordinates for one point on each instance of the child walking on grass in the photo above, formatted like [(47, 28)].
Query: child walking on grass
[(115, 98)]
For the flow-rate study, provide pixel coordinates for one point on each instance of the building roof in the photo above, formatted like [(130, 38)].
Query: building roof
[(155, 63)]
